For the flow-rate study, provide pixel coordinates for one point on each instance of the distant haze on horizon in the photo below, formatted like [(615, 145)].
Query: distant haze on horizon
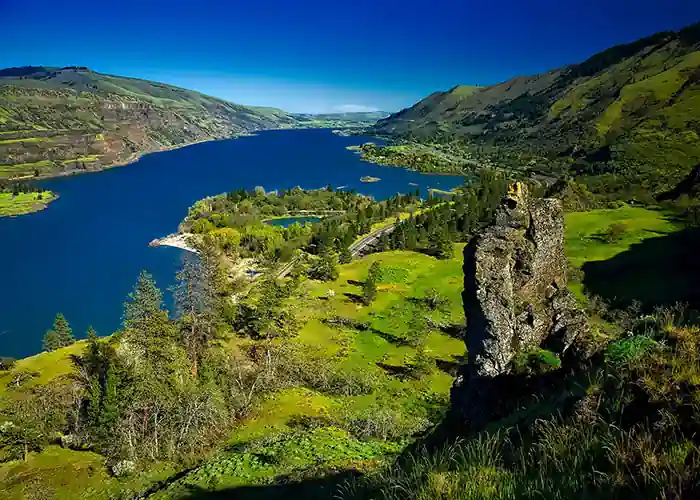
[(323, 56)]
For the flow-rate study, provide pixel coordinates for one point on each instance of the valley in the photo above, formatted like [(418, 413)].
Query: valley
[(490, 294), (101, 225)]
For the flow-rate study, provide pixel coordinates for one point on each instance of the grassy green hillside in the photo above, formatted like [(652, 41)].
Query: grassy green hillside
[(631, 112), (371, 384), (369, 379), (24, 203), (624, 424), (57, 120)]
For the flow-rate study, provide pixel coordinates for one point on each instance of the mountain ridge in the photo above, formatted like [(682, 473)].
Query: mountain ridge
[(623, 111), (59, 120), (63, 120)]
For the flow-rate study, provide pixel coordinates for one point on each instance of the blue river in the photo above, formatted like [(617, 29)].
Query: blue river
[(82, 255)]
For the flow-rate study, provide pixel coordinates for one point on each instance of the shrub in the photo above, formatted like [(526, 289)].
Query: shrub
[(384, 423), (536, 361), (433, 300), (202, 226), (324, 268), (613, 233), (225, 238), (7, 363), (391, 274), (629, 349), (422, 363)]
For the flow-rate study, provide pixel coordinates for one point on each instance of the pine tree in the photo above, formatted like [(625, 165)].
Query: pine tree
[(345, 254), (145, 300), (60, 336), (384, 243), (109, 411), (91, 335), (198, 302), (50, 341), (94, 401), (369, 287), (440, 243)]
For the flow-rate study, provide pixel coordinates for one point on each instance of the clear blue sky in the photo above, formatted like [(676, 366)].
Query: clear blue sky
[(318, 56)]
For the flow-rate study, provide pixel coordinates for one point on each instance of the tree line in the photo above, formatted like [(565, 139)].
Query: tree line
[(17, 187)]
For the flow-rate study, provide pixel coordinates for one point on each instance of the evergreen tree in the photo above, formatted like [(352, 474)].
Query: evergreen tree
[(411, 235), (60, 336), (50, 341), (440, 243), (109, 410), (345, 255), (198, 302), (369, 287), (91, 335), (94, 401), (383, 244), (267, 317), (103, 375), (144, 301)]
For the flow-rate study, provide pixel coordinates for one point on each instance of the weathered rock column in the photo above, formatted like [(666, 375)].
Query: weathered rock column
[(515, 296)]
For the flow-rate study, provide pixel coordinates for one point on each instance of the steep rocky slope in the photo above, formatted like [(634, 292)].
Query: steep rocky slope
[(55, 120), (632, 110)]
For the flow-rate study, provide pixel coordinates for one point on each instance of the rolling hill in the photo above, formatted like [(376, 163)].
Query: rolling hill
[(631, 112), (56, 120)]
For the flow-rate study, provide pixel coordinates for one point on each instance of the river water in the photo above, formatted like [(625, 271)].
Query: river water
[(82, 255)]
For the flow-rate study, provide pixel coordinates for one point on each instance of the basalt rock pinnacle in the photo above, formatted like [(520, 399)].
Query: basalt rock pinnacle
[(515, 293)]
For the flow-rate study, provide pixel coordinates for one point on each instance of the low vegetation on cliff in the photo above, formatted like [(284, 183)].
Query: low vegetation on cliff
[(614, 416)]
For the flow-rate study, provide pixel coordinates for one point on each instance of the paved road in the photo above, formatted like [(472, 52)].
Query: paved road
[(355, 249), (370, 239)]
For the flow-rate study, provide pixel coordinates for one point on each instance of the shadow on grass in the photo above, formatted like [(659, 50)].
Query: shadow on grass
[(449, 367), (363, 326), (354, 298), (655, 272), (392, 339), (456, 331), (285, 489), (401, 372)]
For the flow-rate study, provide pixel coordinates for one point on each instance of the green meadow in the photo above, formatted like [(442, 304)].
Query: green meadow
[(24, 203), (631, 254), (395, 385)]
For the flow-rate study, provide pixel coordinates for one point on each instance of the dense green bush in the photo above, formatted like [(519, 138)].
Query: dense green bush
[(629, 349), (536, 361)]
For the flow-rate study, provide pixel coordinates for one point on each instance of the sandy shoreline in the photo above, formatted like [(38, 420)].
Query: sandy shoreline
[(180, 241)]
